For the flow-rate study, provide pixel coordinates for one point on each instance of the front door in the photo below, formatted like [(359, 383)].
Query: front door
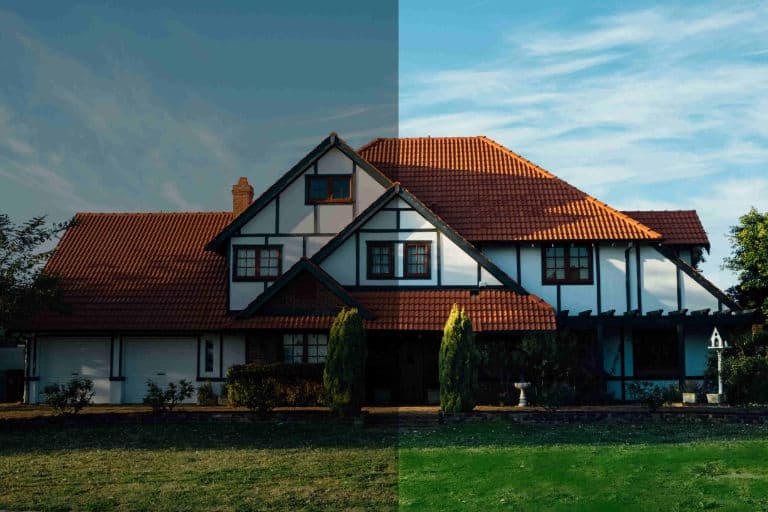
[(411, 366)]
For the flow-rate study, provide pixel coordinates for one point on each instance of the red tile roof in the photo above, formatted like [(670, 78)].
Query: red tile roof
[(488, 193), (679, 227), (490, 310), (150, 272), (427, 310), (145, 271)]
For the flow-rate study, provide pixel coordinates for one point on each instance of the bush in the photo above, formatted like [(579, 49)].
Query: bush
[(69, 398), (206, 395), (745, 369), (263, 387), (164, 400), (651, 395), (555, 396), (458, 363), (344, 373)]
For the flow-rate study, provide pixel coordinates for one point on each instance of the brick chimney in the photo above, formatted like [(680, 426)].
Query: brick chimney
[(242, 196)]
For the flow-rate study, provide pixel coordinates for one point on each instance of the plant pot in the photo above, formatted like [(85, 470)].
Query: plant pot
[(715, 398), (689, 398)]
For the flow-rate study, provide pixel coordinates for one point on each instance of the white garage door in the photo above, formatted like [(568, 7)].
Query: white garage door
[(62, 360), (161, 360)]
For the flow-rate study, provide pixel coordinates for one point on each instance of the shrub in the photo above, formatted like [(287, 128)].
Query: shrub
[(206, 395), (745, 369), (555, 396), (69, 398), (164, 400), (344, 372), (458, 363), (263, 387), (651, 395)]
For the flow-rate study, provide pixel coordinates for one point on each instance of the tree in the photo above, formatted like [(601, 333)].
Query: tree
[(24, 287), (749, 258), (458, 363), (344, 372)]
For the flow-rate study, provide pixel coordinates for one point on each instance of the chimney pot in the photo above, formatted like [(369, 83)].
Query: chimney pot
[(242, 195)]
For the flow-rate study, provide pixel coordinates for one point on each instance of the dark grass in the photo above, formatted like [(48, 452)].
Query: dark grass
[(488, 465), (199, 467)]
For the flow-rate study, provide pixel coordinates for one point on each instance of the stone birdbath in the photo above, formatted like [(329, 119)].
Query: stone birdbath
[(522, 386)]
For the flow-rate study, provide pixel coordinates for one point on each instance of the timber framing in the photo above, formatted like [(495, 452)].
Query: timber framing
[(310, 160), (398, 191), (304, 265)]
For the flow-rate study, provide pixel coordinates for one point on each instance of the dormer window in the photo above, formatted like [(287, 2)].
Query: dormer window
[(257, 262), (329, 189)]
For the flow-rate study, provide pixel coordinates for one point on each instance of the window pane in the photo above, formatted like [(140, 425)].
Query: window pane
[(318, 188), (208, 356), (341, 188)]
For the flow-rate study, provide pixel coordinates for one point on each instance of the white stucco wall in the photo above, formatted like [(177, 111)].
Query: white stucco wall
[(659, 285)]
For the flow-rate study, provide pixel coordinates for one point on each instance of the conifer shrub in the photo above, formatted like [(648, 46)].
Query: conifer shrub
[(458, 363), (344, 373)]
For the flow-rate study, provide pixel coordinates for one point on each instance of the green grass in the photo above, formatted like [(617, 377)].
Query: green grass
[(497, 466), (475, 466)]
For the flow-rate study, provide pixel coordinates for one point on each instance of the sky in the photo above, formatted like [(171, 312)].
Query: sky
[(161, 106)]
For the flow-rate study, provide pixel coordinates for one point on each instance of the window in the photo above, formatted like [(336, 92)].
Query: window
[(655, 354), (381, 260), (257, 263), (417, 260), (208, 356), (329, 188), (567, 264), (304, 348)]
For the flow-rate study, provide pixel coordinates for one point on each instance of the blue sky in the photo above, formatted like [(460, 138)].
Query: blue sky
[(132, 107)]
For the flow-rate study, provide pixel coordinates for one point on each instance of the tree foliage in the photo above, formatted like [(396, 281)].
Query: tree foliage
[(458, 363), (24, 287), (344, 373), (749, 259)]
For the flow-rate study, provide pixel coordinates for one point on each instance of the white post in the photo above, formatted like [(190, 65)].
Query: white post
[(720, 371)]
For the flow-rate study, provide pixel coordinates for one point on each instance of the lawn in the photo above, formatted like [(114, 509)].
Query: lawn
[(491, 465), (499, 466)]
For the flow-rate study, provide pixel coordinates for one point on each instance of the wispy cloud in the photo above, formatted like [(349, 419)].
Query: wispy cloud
[(666, 103)]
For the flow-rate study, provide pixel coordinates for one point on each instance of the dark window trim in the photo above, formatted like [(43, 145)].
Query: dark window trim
[(238, 278), (369, 261), (566, 255), (427, 274), (329, 199), (305, 346)]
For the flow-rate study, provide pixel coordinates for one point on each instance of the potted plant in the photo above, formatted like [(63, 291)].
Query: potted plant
[(690, 390)]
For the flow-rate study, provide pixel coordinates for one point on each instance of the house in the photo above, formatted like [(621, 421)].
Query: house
[(401, 229)]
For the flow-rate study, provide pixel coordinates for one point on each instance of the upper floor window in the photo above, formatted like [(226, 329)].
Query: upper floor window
[(208, 356), (416, 264), (257, 263), (381, 260), (417, 260), (567, 264), (329, 188)]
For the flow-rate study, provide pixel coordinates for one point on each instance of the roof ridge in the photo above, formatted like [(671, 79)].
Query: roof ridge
[(138, 214)]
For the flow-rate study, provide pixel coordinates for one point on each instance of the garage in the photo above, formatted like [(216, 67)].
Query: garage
[(161, 360), (61, 360)]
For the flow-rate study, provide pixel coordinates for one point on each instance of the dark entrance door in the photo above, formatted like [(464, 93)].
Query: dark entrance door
[(411, 367)]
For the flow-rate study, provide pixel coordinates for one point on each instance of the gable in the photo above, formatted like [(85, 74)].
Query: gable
[(398, 219), (303, 295), (282, 208)]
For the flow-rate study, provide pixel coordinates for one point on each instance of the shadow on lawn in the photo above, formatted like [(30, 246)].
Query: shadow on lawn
[(197, 436), (483, 434)]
